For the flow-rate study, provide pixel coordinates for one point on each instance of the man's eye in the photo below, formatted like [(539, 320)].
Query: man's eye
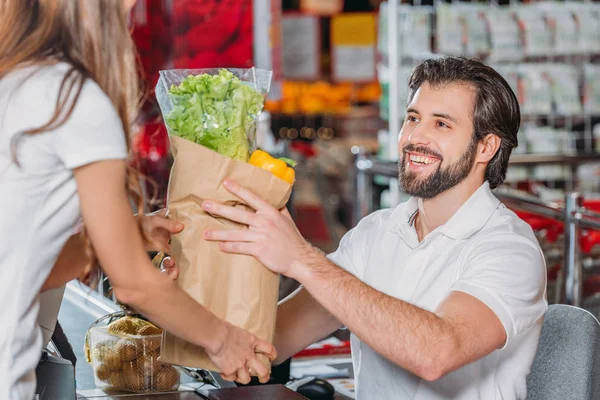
[(442, 124), (412, 119)]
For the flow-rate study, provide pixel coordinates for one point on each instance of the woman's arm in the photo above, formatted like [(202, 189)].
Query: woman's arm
[(69, 265), (73, 258), (136, 282)]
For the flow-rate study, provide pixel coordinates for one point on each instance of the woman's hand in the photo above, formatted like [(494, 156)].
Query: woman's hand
[(158, 230), (239, 353), (168, 266)]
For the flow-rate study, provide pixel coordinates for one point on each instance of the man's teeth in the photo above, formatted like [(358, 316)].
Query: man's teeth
[(421, 159)]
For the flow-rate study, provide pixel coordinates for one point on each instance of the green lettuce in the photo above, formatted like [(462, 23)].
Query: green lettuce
[(215, 111)]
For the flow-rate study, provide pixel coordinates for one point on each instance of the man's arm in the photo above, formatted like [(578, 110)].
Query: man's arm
[(301, 321), (429, 344)]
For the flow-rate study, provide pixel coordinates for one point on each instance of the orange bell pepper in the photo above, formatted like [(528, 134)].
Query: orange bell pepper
[(277, 166)]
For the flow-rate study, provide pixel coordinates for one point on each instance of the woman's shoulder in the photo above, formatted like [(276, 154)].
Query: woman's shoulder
[(35, 90), (39, 78)]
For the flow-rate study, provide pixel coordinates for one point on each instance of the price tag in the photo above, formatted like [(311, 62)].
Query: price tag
[(477, 30), (353, 43), (301, 50), (504, 33), (449, 30)]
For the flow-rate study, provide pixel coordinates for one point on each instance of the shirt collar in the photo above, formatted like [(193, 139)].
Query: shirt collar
[(470, 218)]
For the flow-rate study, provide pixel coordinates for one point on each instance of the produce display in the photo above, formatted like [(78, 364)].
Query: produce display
[(124, 355), (322, 97)]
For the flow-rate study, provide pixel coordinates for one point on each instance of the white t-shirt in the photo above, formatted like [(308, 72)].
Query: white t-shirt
[(484, 250), (39, 203)]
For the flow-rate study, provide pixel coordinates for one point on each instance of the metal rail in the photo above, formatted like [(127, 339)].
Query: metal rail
[(572, 212)]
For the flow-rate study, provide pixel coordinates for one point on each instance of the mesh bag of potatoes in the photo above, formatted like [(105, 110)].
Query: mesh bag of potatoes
[(124, 355)]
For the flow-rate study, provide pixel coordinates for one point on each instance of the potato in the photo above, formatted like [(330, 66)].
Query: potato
[(126, 325), (117, 380), (147, 346), (113, 362), (126, 350), (149, 329), (103, 372), (149, 365), (166, 379), (101, 349), (134, 378)]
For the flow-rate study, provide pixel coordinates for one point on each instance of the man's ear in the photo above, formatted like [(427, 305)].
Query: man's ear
[(488, 147)]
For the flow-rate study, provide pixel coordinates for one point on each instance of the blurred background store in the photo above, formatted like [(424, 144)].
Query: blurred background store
[(340, 73)]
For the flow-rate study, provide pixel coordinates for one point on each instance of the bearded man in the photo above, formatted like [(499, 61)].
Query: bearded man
[(445, 293)]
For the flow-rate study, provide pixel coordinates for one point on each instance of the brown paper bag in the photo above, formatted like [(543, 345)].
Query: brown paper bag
[(236, 288)]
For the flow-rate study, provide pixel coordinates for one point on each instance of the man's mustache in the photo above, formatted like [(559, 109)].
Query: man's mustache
[(411, 148)]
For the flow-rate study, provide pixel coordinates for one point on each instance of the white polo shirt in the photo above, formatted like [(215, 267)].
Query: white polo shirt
[(484, 250)]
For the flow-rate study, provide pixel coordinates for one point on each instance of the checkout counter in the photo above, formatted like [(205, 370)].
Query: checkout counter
[(82, 306)]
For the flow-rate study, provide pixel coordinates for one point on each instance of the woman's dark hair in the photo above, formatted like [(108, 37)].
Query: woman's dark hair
[(496, 108)]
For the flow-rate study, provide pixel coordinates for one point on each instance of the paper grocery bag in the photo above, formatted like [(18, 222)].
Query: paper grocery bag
[(236, 288)]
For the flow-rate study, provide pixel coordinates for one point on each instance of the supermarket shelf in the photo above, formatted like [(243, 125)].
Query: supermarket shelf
[(574, 159), (390, 168), (571, 212)]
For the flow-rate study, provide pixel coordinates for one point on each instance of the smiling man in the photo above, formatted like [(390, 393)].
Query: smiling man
[(444, 294)]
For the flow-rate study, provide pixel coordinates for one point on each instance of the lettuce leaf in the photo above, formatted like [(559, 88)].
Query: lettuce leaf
[(215, 111)]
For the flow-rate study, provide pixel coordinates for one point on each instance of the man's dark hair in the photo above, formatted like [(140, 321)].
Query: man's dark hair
[(496, 106)]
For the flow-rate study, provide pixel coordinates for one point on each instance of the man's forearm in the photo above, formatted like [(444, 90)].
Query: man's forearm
[(301, 321), (413, 338)]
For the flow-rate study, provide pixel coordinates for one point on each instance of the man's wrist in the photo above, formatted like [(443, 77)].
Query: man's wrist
[(303, 269)]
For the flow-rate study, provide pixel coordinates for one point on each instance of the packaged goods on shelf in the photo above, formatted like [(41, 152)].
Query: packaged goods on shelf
[(510, 72), (591, 78), (516, 174), (564, 80), (384, 79), (449, 38), (504, 34), (564, 29), (536, 94), (587, 17), (546, 140), (414, 36), (322, 97), (476, 28), (551, 172), (537, 35)]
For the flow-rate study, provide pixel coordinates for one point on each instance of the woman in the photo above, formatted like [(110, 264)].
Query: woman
[(68, 90)]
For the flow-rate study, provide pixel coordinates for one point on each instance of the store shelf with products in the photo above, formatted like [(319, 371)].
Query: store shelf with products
[(537, 159), (548, 52)]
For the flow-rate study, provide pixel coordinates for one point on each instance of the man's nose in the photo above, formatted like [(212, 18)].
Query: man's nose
[(418, 135)]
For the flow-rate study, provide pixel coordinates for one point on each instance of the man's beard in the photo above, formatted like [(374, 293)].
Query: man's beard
[(441, 179)]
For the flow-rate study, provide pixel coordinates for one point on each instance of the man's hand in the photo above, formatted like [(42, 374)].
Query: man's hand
[(238, 355), (158, 230), (271, 237)]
